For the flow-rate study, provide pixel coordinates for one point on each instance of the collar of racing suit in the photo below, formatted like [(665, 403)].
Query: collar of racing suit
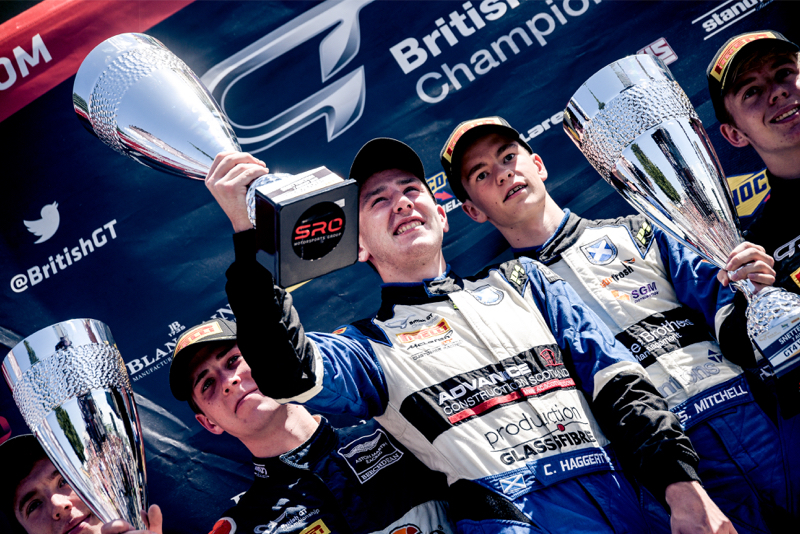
[(318, 446), (568, 231)]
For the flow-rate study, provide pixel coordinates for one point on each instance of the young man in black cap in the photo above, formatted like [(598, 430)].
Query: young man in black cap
[(484, 379), (309, 476), (36, 499), (658, 298), (755, 88)]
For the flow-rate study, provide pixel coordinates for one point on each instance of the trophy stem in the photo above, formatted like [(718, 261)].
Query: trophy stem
[(746, 287)]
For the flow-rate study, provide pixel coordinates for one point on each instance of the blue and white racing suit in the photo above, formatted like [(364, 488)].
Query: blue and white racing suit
[(485, 379), (663, 302)]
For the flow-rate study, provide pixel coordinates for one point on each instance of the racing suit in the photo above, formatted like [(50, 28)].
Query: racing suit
[(774, 230), (662, 301), (346, 480), (484, 380)]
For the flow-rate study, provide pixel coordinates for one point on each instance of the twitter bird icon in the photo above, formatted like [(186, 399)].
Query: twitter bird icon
[(47, 225)]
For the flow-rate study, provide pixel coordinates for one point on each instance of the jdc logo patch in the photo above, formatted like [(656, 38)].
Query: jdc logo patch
[(368, 455)]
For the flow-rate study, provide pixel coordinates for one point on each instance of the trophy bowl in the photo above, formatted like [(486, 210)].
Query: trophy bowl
[(71, 386)]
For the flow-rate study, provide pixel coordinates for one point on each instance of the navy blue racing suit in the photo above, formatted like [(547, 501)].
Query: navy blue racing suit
[(354, 480)]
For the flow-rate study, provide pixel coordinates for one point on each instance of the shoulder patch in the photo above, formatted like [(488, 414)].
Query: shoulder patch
[(642, 234), (226, 525), (549, 275), (515, 273), (368, 455)]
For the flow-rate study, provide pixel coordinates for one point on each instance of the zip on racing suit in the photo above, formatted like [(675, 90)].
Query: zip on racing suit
[(662, 301), (355, 480), (469, 376)]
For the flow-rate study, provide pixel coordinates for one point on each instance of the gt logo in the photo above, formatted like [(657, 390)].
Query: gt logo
[(340, 102), (786, 250)]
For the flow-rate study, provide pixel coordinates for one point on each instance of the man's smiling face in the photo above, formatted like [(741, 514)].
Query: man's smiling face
[(764, 102), (400, 224), (45, 504)]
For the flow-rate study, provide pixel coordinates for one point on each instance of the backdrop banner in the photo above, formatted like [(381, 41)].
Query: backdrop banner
[(88, 233)]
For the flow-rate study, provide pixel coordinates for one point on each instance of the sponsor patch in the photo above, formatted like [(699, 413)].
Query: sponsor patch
[(643, 237), (516, 275), (620, 295), (368, 455), (549, 275), (436, 409), (600, 252), (439, 329), (644, 292), (198, 333), (749, 191), (412, 320), (627, 270), (317, 527), (226, 525), (261, 471), (731, 50), (662, 333), (513, 484), (340, 330), (487, 295), (795, 276), (410, 528)]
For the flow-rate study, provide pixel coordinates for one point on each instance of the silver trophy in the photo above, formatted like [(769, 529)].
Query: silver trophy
[(145, 103), (72, 388), (141, 100), (639, 130)]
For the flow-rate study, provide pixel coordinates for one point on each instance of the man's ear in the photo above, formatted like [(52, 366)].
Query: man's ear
[(208, 424), (473, 212), (540, 165), (363, 253), (443, 215), (734, 135)]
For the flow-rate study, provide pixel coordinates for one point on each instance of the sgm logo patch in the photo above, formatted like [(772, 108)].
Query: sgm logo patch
[(439, 329), (226, 525), (317, 527), (368, 455)]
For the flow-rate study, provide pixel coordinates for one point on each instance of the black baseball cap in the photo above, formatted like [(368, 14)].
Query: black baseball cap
[(219, 331), (462, 137), (385, 153), (18, 455), (728, 58)]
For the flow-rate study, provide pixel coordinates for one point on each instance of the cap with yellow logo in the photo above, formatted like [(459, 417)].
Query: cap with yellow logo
[(462, 137), (729, 55), (193, 340)]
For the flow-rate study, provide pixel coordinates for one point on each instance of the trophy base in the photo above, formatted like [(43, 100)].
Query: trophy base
[(305, 232)]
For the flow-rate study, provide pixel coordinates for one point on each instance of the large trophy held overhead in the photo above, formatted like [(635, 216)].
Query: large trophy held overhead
[(639, 130), (145, 103), (71, 386)]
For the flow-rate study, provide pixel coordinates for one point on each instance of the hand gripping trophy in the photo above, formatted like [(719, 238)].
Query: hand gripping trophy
[(639, 130), (72, 388), (141, 100)]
